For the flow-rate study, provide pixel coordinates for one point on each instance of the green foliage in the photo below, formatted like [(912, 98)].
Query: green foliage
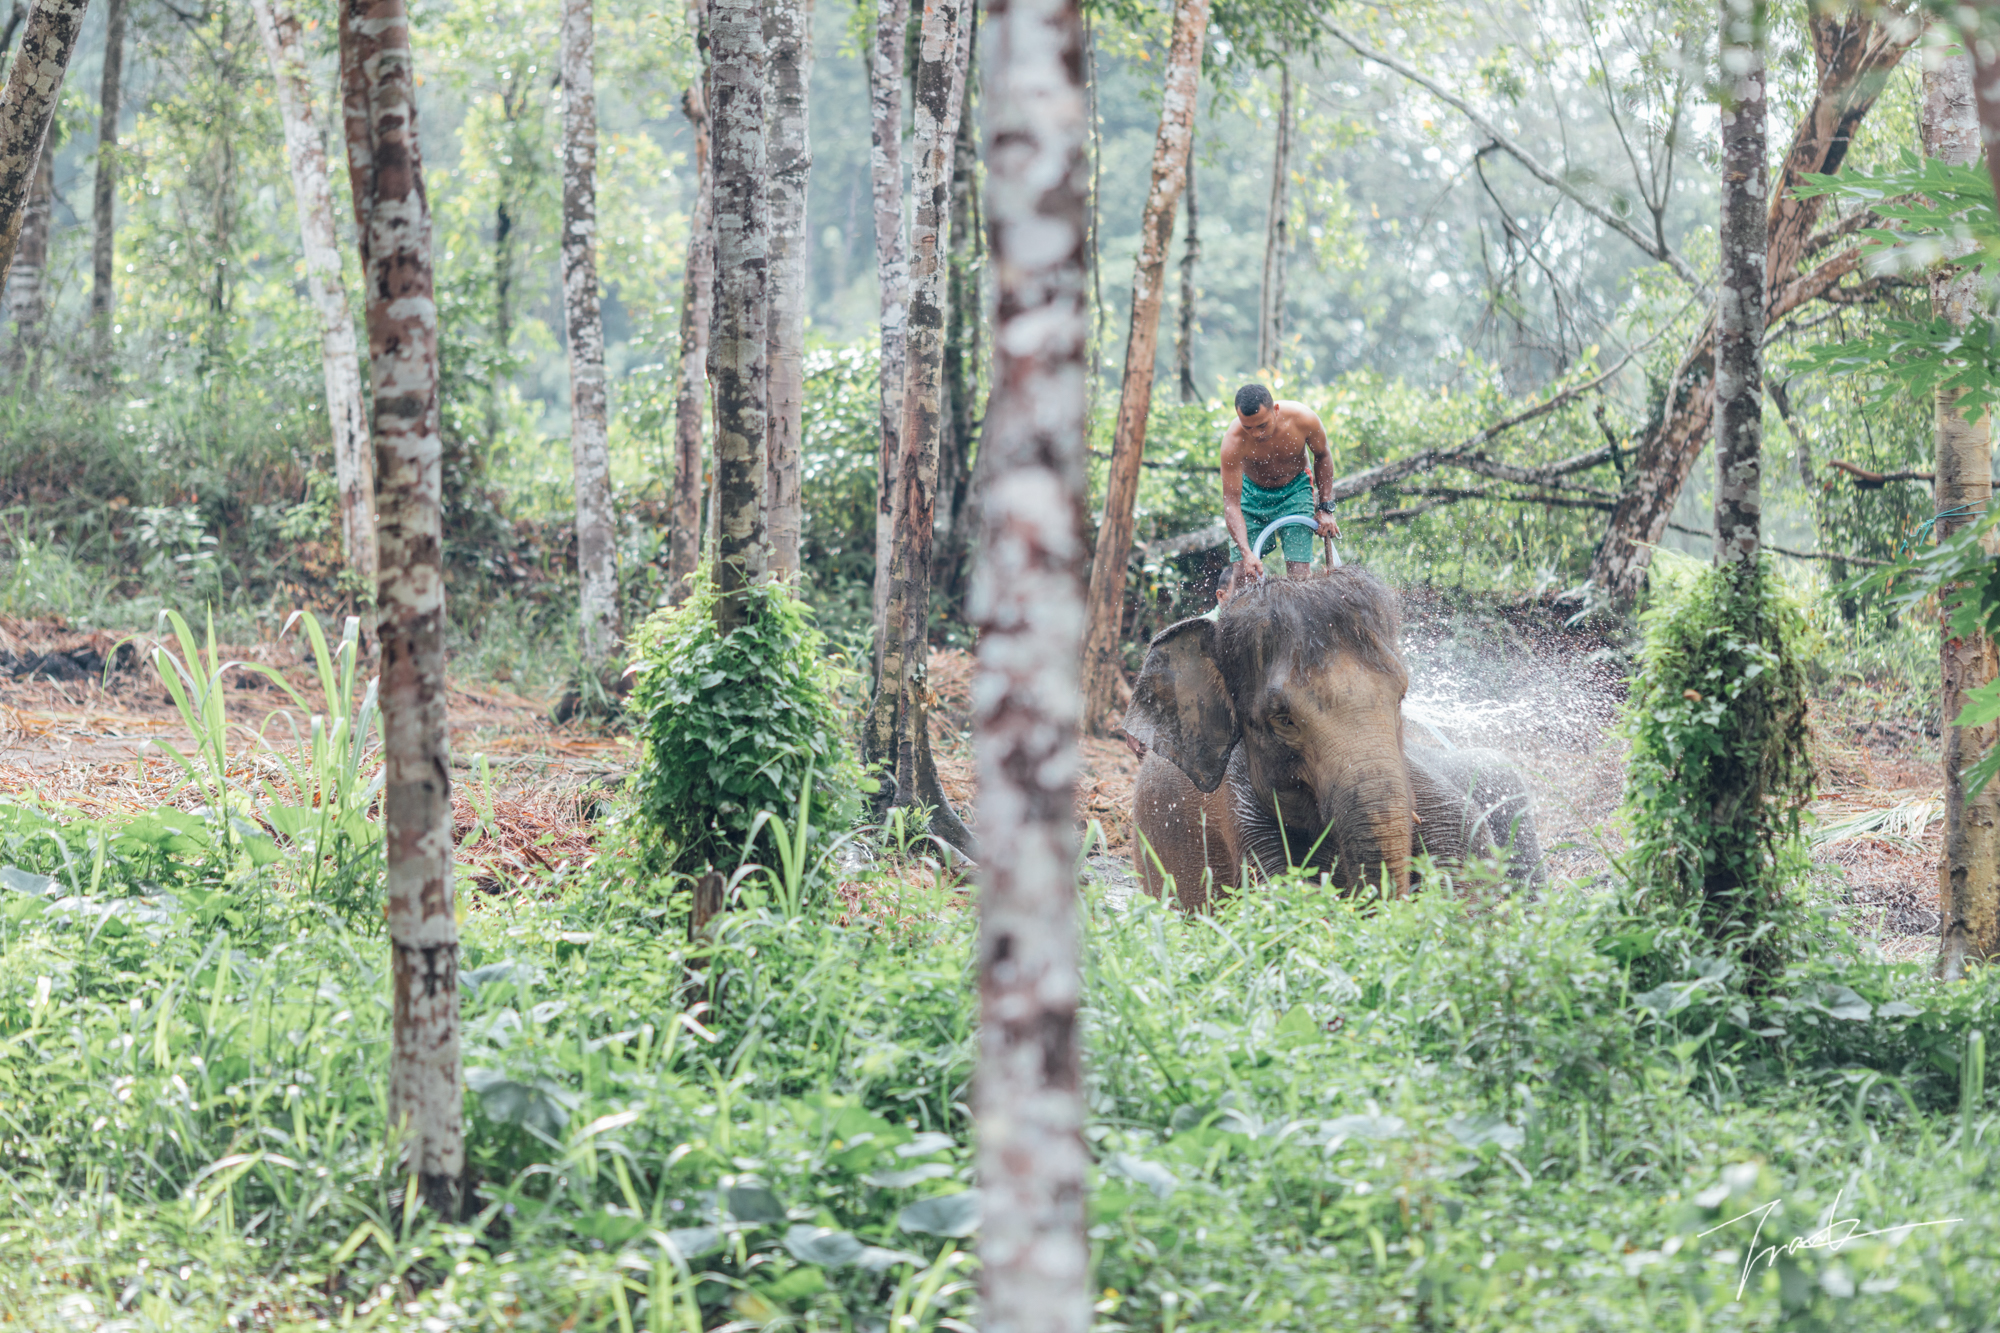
[(1719, 777), (736, 726)]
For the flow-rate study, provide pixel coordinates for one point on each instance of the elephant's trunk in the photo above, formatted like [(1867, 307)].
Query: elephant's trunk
[(1370, 814)]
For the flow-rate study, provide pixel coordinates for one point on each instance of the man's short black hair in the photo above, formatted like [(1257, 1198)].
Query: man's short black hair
[(1252, 398)]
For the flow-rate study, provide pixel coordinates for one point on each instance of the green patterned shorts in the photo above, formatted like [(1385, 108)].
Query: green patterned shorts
[(1260, 507)]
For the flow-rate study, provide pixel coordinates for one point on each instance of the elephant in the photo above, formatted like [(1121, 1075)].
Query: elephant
[(1273, 736)]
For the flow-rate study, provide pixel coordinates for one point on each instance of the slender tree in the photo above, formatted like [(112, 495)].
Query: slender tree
[(27, 106), (1739, 343), (697, 299), (738, 347), (1277, 229), (892, 266), (1102, 671), (379, 111), (104, 187), (788, 31), (895, 728), (589, 447), (31, 262), (1028, 1088), (1969, 870), (1190, 256), (965, 316), (340, 357)]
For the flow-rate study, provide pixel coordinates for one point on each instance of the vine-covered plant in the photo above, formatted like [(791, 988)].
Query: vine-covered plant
[(1719, 776), (734, 725)]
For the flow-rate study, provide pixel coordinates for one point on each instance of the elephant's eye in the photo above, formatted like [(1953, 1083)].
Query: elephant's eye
[(1283, 722)]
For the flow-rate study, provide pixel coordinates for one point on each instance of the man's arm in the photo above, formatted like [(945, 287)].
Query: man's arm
[(1232, 508), (1322, 466)]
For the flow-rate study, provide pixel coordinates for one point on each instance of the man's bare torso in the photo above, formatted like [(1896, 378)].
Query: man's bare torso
[(1271, 462)]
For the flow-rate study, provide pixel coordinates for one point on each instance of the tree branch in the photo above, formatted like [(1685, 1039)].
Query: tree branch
[(1874, 481)]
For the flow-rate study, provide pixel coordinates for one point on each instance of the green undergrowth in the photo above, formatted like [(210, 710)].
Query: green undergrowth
[(1452, 1112)]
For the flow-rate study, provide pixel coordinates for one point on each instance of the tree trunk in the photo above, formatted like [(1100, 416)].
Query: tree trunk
[(1745, 243), (426, 1094), (1277, 228), (1853, 54), (788, 31), (1101, 666), (27, 106), (895, 729), (892, 266), (697, 296), (962, 337), (589, 447), (31, 263), (738, 346), (1028, 1088), (1190, 255), (353, 459), (1969, 872), (104, 189)]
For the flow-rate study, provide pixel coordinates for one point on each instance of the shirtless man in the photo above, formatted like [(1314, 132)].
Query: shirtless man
[(1264, 477)]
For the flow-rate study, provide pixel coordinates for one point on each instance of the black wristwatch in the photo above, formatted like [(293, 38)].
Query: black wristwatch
[(1325, 506)]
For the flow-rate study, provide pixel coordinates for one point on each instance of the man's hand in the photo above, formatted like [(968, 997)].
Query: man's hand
[(1328, 525), (1253, 568)]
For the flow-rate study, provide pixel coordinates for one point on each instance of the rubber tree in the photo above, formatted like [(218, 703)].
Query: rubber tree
[(385, 167), (589, 426), (1277, 232), (788, 32), (1102, 669), (104, 189), (26, 303), (738, 348), (892, 267), (896, 731), (965, 318), (28, 105), (1739, 341), (697, 300), (1969, 870), (1853, 51), (1190, 256), (1027, 1094), (340, 357)]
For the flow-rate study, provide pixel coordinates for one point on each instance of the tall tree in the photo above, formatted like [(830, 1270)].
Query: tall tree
[(788, 31), (965, 318), (1277, 229), (385, 167), (340, 358), (104, 188), (896, 728), (892, 267), (589, 446), (1745, 242), (1190, 256), (27, 106), (25, 304), (1853, 49), (697, 299), (1969, 870), (1028, 1088), (738, 347), (1102, 670)]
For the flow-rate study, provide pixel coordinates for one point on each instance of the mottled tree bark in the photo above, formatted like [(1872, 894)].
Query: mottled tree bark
[(892, 267), (104, 186), (1277, 233), (25, 305), (1190, 256), (1101, 666), (1739, 341), (697, 298), (379, 104), (28, 105), (894, 729), (963, 340), (738, 346), (1028, 1087), (589, 446), (1969, 871), (788, 34), (340, 357), (1854, 54)]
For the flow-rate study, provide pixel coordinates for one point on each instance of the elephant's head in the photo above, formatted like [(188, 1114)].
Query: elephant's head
[(1304, 676)]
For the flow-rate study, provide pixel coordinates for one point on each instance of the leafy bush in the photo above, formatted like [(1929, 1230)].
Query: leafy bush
[(1719, 777), (734, 726)]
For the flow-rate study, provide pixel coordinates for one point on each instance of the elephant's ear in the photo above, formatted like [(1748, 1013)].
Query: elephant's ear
[(1181, 706)]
